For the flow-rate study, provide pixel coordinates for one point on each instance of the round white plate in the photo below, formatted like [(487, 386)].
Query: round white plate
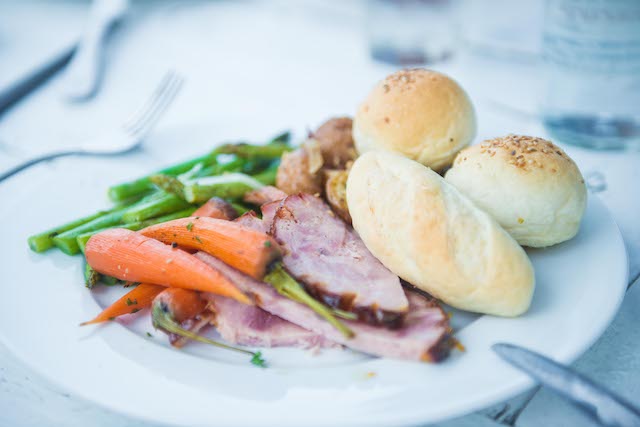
[(580, 285)]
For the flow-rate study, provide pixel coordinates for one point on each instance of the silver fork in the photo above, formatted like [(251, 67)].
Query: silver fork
[(126, 137)]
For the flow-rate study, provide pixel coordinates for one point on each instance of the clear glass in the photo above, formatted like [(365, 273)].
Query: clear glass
[(591, 50), (410, 32)]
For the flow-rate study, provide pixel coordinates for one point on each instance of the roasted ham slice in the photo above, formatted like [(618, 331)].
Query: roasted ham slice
[(252, 326), (264, 195), (424, 336), (326, 254)]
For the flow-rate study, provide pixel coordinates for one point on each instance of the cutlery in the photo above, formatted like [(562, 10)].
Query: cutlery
[(24, 86), (126, 137), (601, 404), (85, 70)]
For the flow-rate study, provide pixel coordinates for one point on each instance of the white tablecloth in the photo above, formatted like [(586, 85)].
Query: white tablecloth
[(280, 65)]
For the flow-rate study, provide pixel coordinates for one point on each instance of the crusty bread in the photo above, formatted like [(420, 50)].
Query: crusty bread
[(421, 114), (429, 234), (529, 185)]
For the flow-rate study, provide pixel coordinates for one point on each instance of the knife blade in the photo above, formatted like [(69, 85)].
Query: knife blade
[(603, 405), (24, 86)]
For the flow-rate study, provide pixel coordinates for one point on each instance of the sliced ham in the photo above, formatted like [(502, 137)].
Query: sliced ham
[(264, 195), (331, 260), (252, 326), (423, 336)]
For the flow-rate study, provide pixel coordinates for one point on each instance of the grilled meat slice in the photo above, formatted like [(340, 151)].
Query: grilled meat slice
[(425, 335), (327, 255)]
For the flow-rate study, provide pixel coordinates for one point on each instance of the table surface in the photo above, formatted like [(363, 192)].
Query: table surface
[(281, 64)]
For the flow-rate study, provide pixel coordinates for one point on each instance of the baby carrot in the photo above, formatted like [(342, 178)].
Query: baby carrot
[(216, 208), (245, 249), (130, 256), (135, 300)]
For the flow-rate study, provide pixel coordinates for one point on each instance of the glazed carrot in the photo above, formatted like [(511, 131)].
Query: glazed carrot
[(130, 256), (182, 304), (217, 208), (135, 300), (247, 250)]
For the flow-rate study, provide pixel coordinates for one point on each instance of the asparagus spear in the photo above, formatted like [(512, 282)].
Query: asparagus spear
[(42, 241), (228, 186), (288, 287), (66, 241), (144, 184), (251, 151), (84, 238), (166, 204), (268, 176)]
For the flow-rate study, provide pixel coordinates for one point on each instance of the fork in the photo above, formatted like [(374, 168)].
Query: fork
[(127, 137)]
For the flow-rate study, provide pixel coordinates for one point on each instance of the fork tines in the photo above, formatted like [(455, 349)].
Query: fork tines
[(147, 116)]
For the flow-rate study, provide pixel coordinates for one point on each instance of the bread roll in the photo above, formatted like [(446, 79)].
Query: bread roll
[(421, 114), (529, 185), (430, 235)]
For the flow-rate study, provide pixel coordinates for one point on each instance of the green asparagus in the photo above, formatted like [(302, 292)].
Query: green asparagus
[(251, 151), (144, 184), (43, 241), (84, 238), (67, 242), (228, 186), (166, 204)]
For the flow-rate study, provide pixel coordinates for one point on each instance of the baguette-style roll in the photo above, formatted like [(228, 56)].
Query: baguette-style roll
[(432, 236)]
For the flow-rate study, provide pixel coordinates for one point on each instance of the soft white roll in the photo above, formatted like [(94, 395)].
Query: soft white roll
[(421, 114), (529, 185), (429, 234)]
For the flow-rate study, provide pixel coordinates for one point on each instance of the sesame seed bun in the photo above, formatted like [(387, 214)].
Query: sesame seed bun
[(528, 184), (420, 114)]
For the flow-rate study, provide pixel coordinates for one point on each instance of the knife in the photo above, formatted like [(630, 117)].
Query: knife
[(27, 84), (604, 406), (84, 72)]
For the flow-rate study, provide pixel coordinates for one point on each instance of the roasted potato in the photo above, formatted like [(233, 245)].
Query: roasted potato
[(299, 170), (336, 142), (336, 193)]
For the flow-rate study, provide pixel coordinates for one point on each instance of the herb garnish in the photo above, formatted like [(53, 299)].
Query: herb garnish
[(267, 244), (190, 226), (132, 302), (198, 239)]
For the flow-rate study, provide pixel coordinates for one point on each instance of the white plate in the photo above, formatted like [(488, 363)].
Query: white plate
[(580, 285)]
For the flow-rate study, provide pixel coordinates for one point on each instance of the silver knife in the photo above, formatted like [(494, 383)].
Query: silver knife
[(84, 72), (604, 406)]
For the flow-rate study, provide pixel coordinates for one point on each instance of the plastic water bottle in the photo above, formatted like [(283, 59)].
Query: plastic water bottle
[(592, 57)]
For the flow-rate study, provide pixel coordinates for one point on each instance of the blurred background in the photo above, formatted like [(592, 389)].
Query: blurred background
[(570, 65), (568, 70)]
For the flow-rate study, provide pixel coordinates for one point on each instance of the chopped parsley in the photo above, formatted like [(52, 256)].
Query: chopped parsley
[(267, 244), (132, 302), (149, 335), (135, 310), (190, 226), (258, 360), (198, 239), (112, 318)]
